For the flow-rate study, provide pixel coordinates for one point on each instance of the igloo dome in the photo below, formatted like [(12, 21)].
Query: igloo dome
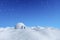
[(20, 26)]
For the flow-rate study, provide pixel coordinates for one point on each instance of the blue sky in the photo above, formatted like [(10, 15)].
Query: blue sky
[(30, 12)]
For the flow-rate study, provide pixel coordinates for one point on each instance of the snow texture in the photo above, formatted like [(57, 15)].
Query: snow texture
[(29, 33)]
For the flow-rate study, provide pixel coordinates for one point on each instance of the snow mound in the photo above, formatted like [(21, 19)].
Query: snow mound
[(34, 33), (20, 26)]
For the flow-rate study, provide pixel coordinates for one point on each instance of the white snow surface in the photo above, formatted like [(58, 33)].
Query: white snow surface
[(30, 33)]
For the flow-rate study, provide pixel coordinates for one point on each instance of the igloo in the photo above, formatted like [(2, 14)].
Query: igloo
[(20, 26)]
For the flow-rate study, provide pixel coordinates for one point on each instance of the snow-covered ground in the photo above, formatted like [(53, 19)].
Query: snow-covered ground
[(29, 33)]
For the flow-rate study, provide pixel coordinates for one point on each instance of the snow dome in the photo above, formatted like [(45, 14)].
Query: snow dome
[(20, 26)]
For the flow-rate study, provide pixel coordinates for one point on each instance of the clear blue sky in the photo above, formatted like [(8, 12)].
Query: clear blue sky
[(31, 12)]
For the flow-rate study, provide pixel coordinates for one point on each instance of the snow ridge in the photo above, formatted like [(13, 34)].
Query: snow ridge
[(29, 33)]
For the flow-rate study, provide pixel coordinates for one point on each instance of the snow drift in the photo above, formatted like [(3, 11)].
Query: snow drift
[(29, 33)]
